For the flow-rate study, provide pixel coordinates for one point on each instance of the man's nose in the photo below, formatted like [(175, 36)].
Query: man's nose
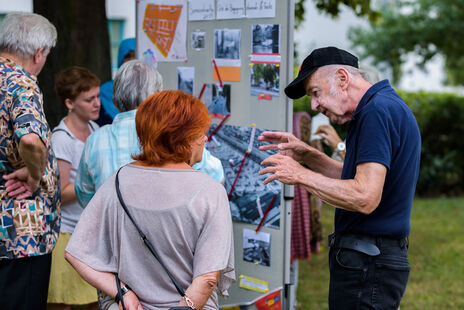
[(314, 104)]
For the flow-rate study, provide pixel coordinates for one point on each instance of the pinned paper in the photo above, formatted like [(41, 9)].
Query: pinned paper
[(253, 284), (252, 138), (201, 10), (257, 247), (231, 308), (162, 28), (198, 40), (272, 301), (217, 100), (260, 8), (265, 96), (234, 145), (258, 205), (185, 79), (265, 39), (227, 54), (230, 9), (265, 80)]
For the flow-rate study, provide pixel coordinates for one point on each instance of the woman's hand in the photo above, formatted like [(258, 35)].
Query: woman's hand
[(330, 135), (131, 301)]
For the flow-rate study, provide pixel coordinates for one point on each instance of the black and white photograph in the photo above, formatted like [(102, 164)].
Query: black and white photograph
[(185, 79), (217, 100), (257, 247), (227, 43), (198, 40), (265, 38), (250, 197), (265, 79)]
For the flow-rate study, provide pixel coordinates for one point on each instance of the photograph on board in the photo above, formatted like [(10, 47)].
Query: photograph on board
[(185, 79), (198, 40), (257, 247), (265, 38), (227, 43), (249, 198), (265, 79), (217, 100)]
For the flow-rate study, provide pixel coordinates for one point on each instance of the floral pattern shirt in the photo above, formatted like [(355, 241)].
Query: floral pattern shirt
[(30, 226)]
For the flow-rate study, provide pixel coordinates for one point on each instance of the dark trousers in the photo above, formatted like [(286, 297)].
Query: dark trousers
[(362, 279), (24, 283)]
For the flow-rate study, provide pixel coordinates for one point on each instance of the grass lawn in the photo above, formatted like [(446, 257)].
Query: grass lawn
[(436, 254)]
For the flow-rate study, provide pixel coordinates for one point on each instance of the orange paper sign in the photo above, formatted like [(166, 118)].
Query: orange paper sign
[(160, 23)]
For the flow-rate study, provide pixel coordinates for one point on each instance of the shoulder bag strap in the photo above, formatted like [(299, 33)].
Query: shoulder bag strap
[(91, 126), (144, 238), (61, 129), (119, 295)]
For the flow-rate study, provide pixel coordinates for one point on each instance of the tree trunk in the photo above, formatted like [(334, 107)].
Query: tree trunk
[(83, 40)]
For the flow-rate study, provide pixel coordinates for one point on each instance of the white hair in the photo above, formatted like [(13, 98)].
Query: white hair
[(134, 82), (367, 73), (22, 34)]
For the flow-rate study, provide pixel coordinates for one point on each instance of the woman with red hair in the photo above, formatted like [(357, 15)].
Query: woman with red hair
[(183, 212)]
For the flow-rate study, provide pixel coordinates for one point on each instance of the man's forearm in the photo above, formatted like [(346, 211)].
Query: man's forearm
[(34, 154), (320, 162), (361, 194)]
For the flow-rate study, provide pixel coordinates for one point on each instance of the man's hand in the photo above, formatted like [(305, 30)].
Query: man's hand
[(131, 302), (283, 169), (20, 184), (286, 143)]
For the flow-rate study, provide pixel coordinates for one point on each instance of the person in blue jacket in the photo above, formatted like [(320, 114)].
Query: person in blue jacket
[(108, 111)]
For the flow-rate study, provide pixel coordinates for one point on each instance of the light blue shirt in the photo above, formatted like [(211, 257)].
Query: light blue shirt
[(111, 147)]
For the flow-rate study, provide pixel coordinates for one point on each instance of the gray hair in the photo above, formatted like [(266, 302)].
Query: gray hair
[(369, 74), (22, 34), (134, 82)]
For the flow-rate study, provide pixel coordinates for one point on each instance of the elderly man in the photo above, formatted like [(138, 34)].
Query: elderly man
[(372, 190), (112, 146), (29, 190)]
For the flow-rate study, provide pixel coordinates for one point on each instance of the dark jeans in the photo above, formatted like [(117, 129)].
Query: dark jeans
[(24, 283), (362, 281)]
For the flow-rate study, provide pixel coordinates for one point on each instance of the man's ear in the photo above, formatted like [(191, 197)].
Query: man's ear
[(343, 78), (38, 54)]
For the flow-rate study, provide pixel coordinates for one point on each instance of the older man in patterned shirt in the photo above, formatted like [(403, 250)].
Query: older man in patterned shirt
[(29, 192)]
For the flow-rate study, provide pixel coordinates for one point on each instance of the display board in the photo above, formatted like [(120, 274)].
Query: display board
[(237, 56)]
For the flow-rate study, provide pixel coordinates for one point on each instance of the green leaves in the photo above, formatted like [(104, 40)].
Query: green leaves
[(425, 27), (333, 8)]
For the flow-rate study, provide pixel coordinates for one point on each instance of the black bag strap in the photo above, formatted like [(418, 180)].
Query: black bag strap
[(144, 238), (120, 297)]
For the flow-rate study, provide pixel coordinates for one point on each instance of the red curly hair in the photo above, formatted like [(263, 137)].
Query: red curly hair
[(167, 123)]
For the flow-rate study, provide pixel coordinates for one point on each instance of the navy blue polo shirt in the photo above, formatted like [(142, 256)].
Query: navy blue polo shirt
[(383, 130)]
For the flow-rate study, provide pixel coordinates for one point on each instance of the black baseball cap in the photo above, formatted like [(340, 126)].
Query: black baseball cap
[(318, 58)]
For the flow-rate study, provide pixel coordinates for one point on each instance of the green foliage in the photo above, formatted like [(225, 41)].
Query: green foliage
[(436, 255), (441, 121), (425, 27), (333, 8)]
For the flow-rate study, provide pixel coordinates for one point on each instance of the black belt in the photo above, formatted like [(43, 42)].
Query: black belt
[(364, 243)]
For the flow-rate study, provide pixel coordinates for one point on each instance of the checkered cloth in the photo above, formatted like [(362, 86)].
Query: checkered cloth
[(306, 227)]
